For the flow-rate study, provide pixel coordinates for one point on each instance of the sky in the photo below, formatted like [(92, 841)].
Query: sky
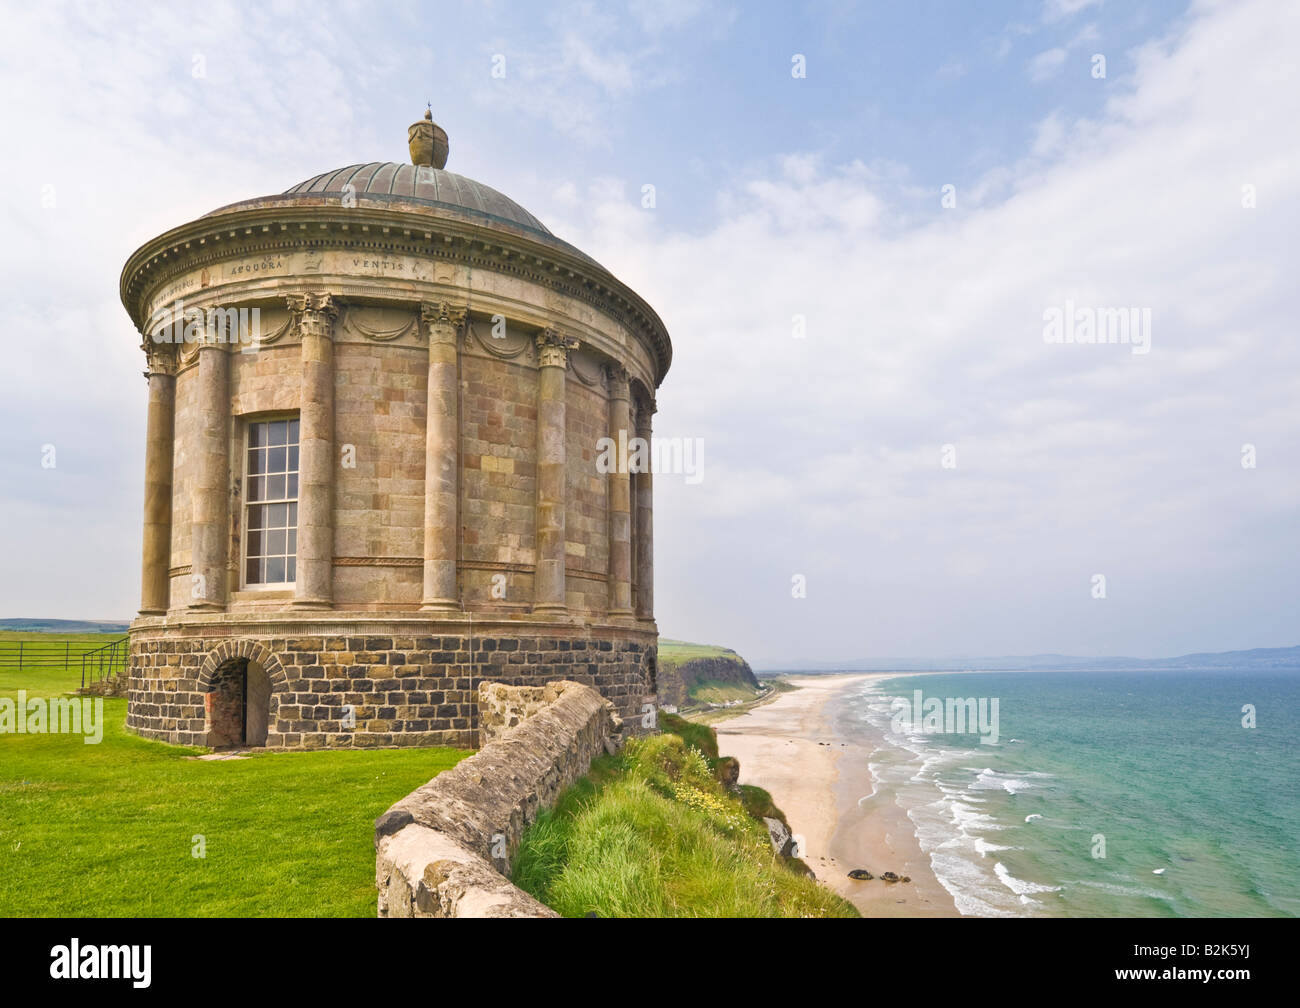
[(865, 217)]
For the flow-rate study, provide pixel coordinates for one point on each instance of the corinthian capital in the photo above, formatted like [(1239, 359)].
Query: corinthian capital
[(645, 409), (616, 377), (553, 348), (160, 358), (315, 313), (442, 321)]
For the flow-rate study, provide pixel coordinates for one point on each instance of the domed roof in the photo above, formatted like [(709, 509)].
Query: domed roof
[(421, 184), (392, 196)]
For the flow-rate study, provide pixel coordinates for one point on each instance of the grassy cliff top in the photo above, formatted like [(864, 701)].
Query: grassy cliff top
[(656, 831), (683, 651)]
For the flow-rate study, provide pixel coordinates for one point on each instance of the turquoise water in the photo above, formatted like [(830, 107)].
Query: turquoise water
[(1196, 815)]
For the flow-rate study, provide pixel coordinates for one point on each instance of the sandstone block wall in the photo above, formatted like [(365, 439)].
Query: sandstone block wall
[(498, 485), (183, 470), (380, 401), (445, 849), (586, 550), (380, 404)]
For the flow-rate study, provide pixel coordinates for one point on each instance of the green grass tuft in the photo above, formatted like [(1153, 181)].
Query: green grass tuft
[(702, 737), (652, 834), (759, 804)]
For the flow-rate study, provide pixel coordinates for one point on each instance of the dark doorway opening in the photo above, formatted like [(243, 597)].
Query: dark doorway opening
[(228, 706), (239, 705)]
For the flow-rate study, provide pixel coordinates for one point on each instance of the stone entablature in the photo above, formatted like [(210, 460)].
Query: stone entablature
[(257, 254)]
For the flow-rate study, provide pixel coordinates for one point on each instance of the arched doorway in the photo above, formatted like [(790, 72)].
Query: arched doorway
[(238, 705)]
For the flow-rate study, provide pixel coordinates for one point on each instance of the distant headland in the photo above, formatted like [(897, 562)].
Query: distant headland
[(1255, 660)]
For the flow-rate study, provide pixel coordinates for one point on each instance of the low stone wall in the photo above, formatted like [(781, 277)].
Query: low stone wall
[(502, 707), (445, 849)]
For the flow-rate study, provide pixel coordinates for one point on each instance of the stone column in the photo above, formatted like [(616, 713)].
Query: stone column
[(620, 495), (160, 427), (314, 585), (441, 459), (553, 361), (645, 564), (210, 524)]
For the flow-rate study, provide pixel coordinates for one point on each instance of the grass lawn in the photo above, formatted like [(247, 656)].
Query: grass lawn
[(109, 829), (80, 641)]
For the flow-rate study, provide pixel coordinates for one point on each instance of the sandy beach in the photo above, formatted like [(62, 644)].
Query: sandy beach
[(821, 780)]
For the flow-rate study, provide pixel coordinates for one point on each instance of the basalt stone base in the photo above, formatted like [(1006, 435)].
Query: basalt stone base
[(222, 680)]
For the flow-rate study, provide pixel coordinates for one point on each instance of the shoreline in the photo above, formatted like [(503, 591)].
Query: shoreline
[(821, 779)]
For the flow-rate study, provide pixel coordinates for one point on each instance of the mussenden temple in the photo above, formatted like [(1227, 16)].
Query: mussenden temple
[(373, 483)]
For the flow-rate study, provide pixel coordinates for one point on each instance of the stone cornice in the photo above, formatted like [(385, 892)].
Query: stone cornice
[(353, 623), (270, 227)]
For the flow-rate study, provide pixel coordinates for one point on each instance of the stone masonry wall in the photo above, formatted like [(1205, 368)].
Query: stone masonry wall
[(401, 690), (498, 482), (380, 403), (587, 517), (182, 478), (445, 849)]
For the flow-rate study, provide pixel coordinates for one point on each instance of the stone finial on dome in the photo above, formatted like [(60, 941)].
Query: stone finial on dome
[(428, 142)]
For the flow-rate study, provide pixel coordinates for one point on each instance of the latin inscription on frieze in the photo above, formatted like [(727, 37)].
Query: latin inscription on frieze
[(380, 265), (266, 264), (179, 287)]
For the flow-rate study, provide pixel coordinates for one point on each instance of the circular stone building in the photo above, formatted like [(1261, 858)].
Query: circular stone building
[(376, 409)]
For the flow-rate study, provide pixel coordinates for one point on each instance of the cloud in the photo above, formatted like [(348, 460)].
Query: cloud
[(1059, 10), (824, 453), (658, 16), (1046, 64), (576, 75)]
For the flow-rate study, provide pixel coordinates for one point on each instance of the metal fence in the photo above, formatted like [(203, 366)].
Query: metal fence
[(95, 660), (110, 659)]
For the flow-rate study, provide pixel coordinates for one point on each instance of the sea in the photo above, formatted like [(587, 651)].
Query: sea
[(1106, 794)]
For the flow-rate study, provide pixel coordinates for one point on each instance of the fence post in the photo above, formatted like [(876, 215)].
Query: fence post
[(20, 656)]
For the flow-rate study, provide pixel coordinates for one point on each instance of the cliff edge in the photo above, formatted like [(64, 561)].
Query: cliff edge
[(691, 674)]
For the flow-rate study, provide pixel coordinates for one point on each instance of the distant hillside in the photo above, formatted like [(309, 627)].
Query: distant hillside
[(1254, 660), (702, 673), (62, 626)]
